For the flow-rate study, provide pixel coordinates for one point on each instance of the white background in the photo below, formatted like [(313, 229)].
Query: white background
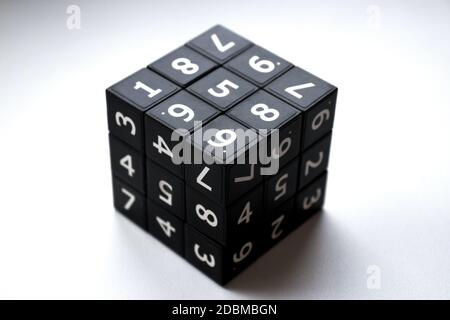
[(388, 195)]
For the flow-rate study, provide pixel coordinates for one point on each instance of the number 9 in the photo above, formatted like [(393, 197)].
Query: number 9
[(220, 139), (263, 66), (185, 110)]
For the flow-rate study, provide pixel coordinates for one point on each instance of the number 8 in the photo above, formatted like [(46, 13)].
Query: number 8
[(205, 215), (262, 109)]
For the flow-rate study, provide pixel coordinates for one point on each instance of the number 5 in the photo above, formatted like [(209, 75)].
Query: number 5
[(224, 91)]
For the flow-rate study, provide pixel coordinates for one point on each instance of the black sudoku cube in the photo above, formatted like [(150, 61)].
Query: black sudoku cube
[(220, 149)]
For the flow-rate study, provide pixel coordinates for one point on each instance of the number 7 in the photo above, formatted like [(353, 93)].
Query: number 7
[(131, 199)]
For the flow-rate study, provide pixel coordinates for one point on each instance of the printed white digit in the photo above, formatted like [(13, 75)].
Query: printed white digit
[(276, 232), (162, 147), (262, 110), (184, 110), (208, 259), (318, 120), (281, 187), (221, 140), (166, 190), (185, 65), (243, 253), (308, 202), (311, 164), (246, 213), (127, 163), (206, 215), (284, 147), (224, 91), (124, 120), (263, 66), (221, 47), (131, 199), (293, 90), (151, 92), (166, 226), (200, 179), (246, 178)]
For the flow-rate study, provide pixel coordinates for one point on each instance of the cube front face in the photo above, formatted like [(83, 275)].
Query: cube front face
[(199, 102)]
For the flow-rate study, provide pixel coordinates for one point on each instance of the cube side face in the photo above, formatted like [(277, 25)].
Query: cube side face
[(196, 104)]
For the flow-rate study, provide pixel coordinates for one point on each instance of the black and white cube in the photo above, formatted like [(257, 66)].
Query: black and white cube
[(223, 212)]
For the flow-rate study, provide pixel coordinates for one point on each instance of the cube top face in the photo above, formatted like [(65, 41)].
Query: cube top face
[(258, 65), (222, 88), (219, 44), (183, 66), (144, 89), (263, 111), (224, 140), (182, 111), (300, 88)]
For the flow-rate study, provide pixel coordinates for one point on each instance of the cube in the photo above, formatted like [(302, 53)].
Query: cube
[(220, 150)]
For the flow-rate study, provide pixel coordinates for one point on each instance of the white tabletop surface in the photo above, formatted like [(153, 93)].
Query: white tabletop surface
[(388, 201)]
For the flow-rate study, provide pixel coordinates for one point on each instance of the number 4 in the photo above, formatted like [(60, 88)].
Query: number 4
[(166, 227), (127, 163), (246, 213)]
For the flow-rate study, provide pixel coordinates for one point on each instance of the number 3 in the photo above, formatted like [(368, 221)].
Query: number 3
[(309, 201), (124, 120), (208, 259)]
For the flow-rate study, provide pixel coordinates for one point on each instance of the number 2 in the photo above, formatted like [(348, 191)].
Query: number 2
[(276, 232), (312, 164)]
